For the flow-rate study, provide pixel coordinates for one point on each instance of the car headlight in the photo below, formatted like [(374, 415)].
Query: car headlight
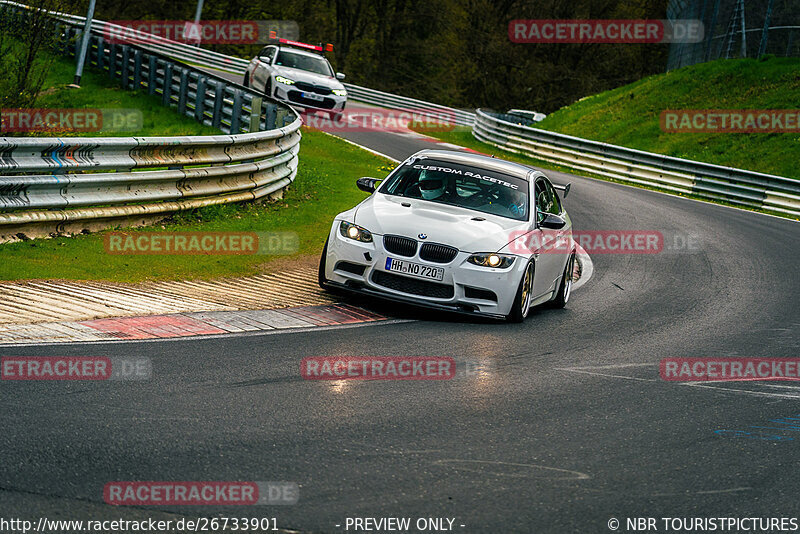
[(284, 80), (353, 231), (339, 92), (489, 259)]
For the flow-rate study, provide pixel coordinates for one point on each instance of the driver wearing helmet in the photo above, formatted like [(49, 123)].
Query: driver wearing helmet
[(432, 186)]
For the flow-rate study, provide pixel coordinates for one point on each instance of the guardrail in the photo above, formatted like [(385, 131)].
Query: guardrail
[(76, 183), (136, 179), (705, 180), (390, 101)]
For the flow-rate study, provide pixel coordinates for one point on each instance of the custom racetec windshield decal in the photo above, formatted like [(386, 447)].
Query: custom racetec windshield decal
[(452, 170)]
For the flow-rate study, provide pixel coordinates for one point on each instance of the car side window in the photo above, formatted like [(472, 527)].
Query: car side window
[(542, 200), (555, 204), (267, 53)]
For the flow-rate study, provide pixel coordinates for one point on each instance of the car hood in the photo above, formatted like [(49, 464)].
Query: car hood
[(450, 225), (299, 75)]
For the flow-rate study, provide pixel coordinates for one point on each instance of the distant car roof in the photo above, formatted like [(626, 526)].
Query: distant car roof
[(478, 160)]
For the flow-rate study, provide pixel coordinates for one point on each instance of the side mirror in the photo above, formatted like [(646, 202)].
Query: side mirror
[(340, 76), (367, 184), (563, 188), (553, 222)]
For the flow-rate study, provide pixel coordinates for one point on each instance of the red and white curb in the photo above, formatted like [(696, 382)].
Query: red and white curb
[(186, 324)]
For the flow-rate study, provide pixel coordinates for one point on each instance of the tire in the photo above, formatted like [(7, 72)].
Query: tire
[(323, 282), (246, 81), (268, 88), (564, 290), (522, 302)]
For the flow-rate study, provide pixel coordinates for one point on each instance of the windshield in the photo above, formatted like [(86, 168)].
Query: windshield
[(317, 65), (457, 185)]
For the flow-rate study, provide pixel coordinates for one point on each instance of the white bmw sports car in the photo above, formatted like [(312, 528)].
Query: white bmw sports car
[(453, 231)]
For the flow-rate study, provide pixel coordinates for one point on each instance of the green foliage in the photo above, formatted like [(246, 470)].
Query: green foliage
[(629, 115), (98, 91), (26, 42)]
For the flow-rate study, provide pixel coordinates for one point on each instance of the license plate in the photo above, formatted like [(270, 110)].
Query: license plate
[(414, 269), (313, 96)]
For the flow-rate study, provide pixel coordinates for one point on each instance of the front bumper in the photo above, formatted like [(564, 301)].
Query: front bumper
[(367, 291), (293, 96), (464, 288)]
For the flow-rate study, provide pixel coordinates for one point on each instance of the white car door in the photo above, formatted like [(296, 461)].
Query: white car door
[(548, 248), (262, 68)]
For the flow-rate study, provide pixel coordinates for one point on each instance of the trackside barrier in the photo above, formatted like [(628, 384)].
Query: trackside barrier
[(705, 180), (75, 183), (390, 101)]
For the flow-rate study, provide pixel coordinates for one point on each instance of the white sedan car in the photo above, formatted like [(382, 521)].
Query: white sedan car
[(455, 231), (299, 74)]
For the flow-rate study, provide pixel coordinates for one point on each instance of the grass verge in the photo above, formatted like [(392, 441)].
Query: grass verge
[(99, 91)]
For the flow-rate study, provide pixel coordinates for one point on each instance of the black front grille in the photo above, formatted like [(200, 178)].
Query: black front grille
[(412, 285), (402, 246), (325, 103), (437, 253), (311, 88)]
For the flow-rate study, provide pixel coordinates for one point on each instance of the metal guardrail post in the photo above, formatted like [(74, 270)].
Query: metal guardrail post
[(219, 99), (137, 70), (166, 95), (152, 75), (255, 114), (200, 99), (126, 60), (183, 91), (101, 52), (112, 60), (236, 112), (270, 116)]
